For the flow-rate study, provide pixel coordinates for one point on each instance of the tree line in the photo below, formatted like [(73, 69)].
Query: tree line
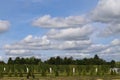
[(85, 61), (18, 60), (60, 61)]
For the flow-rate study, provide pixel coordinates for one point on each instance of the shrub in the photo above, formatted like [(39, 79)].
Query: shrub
[(43, 73), (1, 75), (15, 74), (21, 74), (9, 74), (56, 73)]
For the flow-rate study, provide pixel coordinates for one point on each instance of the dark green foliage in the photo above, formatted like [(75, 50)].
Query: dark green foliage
[(56, 73), (79, 69), (19, 60), (91, 73), (56, 70), (20, 74), (43, 72), (9, 74), (10, 61), (43, 68), (15, 74), (113, 72), (1, 75), (59, 61), (60, 66), (30, 74), (33, 76), (67, 69), (112, 64), (62, 61), (70, 61), (2, 62), (84, 72)]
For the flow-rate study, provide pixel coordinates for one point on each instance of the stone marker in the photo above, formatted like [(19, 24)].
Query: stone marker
[(4, 69), (96, 70), (27, 69), (73, 70), (50, 70)]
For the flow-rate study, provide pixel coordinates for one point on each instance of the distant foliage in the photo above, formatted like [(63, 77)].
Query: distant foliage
[(86, 61), (19, 60), (61, 61)]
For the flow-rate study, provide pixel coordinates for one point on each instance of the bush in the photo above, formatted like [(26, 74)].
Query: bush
[(43, 73), (33, 76), (20, 75), (56, 73), (84, 72), (9, 74), (15, 74), (28, 75), (1, 75), (56, 70), (67, 69), (113, 72)]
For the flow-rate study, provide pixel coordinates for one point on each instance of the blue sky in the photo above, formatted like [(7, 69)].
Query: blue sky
[(20, 13), (45, 28)]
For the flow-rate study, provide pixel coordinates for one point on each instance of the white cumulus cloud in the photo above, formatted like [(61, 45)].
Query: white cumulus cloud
[(81, 33), (4, 25), (47, 21), (111, 30), (106, 11)]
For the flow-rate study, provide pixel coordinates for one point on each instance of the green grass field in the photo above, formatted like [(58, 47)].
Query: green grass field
[(65, 78), (61, 72)]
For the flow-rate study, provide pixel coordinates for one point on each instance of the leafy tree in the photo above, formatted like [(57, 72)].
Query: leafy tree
[(17, 60), (10, 61), (96, 57), (62, 61), (112, 63), (56, 70)]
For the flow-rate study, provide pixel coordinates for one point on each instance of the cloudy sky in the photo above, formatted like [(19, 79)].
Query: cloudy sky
[(46, 28)]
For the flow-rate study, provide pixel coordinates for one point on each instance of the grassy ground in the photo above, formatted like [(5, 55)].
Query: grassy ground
[(64, 78)]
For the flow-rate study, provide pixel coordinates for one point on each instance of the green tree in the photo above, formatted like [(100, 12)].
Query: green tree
[(17, 60), (112, 63), (10, 61)]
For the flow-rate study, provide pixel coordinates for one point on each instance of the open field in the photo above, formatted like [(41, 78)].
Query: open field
[(57, 72), (64, 78)]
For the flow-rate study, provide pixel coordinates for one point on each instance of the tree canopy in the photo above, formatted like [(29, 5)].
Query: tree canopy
[(62, 61)]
